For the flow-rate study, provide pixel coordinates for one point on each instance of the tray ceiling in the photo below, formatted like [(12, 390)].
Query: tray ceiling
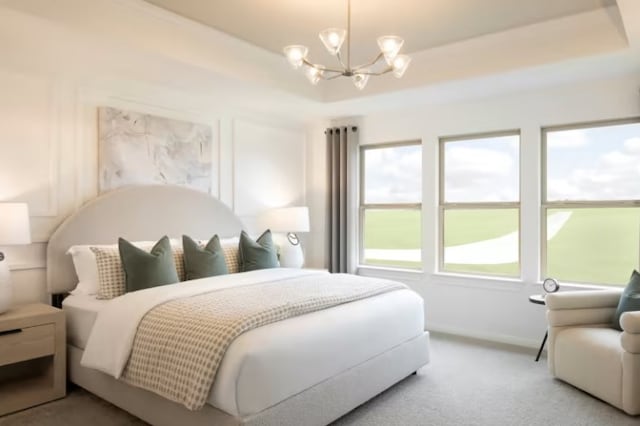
[(272, 24)]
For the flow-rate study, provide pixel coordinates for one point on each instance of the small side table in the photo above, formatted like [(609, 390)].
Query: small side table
[(32, 356), (538, 299)]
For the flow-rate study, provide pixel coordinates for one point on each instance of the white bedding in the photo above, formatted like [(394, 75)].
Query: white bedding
[(266, 365)]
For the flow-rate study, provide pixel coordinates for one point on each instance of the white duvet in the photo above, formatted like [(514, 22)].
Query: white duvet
[(269, 364), (114, 331)]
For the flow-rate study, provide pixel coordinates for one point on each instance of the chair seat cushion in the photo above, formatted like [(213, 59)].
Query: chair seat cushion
[(591, 359)]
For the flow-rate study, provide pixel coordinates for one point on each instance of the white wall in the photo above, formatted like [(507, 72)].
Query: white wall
[(48, 155), (483, 307)]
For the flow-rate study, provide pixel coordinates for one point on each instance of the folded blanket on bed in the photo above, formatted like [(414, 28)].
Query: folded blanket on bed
[(179, 345)]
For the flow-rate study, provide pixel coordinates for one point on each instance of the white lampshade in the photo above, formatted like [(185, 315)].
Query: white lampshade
[(14, 224), (296, 55), (332, 38), (313, 74), (390, 46), (287, 219), (360, 80), (400, 65)]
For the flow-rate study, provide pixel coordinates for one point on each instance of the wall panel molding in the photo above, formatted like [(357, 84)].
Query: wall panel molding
[(258, 184)]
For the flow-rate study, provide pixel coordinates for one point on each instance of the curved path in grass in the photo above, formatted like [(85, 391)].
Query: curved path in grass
[(488, 252)]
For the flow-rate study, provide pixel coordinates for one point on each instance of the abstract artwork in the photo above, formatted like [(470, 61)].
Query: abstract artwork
[(142, 149)]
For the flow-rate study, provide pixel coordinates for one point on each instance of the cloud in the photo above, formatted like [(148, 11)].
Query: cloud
[(480, 174), (567, 139), (614, 176), (632, 145), (394, 175)]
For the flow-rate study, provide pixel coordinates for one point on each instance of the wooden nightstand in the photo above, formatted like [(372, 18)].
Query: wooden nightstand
[(32, 356)]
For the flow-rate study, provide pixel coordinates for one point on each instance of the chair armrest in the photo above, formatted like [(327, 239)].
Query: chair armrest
[(584, 299), (630, 336), (587, 307), (630, 322), (578, 317)]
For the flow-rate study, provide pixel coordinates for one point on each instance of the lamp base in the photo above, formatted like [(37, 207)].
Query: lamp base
[(6, 292), (291, 256)]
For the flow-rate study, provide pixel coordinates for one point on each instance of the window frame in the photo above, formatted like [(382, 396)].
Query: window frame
[(443, 206), (362, 206), (545, 204)]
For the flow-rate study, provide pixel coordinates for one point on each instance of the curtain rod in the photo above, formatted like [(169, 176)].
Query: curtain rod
[(337, 129)]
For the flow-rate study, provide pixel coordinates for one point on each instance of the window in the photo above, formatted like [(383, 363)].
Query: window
[(390, 205), (480, 204), (591, 202)]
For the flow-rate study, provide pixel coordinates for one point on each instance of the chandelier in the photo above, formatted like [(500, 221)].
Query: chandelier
[(333, 39)]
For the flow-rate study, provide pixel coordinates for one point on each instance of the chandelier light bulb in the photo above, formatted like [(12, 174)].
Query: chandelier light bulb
[(296, 54), (390, 46), (400, 64), (313, 74), (360, 80), (332, 38)]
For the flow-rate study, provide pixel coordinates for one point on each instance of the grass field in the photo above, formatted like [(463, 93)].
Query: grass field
[(594, 245)]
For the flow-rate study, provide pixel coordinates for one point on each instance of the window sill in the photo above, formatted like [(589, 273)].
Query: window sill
[(477, 281), (443, 279), (472, 281), (391, 273)]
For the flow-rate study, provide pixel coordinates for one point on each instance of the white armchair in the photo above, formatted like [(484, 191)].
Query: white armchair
[(586, 352)]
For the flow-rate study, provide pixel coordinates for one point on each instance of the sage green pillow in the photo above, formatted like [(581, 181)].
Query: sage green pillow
[(259, 254), (144, 269), (203, 262), (630, 299)]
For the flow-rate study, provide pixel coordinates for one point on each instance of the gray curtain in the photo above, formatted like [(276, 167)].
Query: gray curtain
[(341, 142)]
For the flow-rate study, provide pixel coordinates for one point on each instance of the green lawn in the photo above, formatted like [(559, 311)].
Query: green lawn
[(595, 245)]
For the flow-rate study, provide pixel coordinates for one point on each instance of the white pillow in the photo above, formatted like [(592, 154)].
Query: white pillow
[(84, 262)]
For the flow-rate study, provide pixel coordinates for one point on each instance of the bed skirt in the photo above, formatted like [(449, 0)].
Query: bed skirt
[(319, 405)]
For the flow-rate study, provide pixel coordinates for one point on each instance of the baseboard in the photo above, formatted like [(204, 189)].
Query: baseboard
[(490, 337)]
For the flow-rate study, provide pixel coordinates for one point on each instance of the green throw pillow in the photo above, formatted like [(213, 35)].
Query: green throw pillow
[(630, 299), (203, 262), (144, 269), (259, 254)]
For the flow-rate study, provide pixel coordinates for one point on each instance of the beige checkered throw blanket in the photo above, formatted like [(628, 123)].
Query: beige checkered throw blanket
[(179, 345)]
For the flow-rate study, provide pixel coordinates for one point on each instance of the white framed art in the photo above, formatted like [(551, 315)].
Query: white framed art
[(136, 148)]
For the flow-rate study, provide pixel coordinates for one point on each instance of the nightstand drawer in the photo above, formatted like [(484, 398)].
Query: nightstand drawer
[(27, 343)]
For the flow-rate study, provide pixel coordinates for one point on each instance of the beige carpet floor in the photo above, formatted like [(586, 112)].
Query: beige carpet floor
[(467, 383)]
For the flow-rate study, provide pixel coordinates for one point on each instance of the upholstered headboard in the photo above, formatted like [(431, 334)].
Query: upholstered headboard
[(137, 213)]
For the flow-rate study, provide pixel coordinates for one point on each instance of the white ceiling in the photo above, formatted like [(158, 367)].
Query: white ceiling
[(526, 44), (272, 24)]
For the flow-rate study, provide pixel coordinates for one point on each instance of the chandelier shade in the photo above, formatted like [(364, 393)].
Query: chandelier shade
[(333, 40), (296, 55), (390, 46)]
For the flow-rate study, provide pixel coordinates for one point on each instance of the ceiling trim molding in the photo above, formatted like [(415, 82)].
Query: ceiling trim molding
[(630, 14)]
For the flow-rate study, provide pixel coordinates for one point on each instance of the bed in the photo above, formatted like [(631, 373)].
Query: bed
[(307, 370)]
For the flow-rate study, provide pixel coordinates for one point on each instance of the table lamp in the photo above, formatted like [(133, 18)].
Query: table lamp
[(289, 220), (14, 230)]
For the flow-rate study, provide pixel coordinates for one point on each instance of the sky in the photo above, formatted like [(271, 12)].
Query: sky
[(481, 170), (600, 163), (393, 175), (594, 164)]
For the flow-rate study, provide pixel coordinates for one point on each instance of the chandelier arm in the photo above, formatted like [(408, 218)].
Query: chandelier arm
[(377, 73), (340, 60), (375, 61), (325, 69), (348, 67), (304, 61), (333, 77), (321, 67)]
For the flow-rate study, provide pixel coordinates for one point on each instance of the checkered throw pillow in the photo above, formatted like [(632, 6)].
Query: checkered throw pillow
[(111, 278), (231, 254)]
